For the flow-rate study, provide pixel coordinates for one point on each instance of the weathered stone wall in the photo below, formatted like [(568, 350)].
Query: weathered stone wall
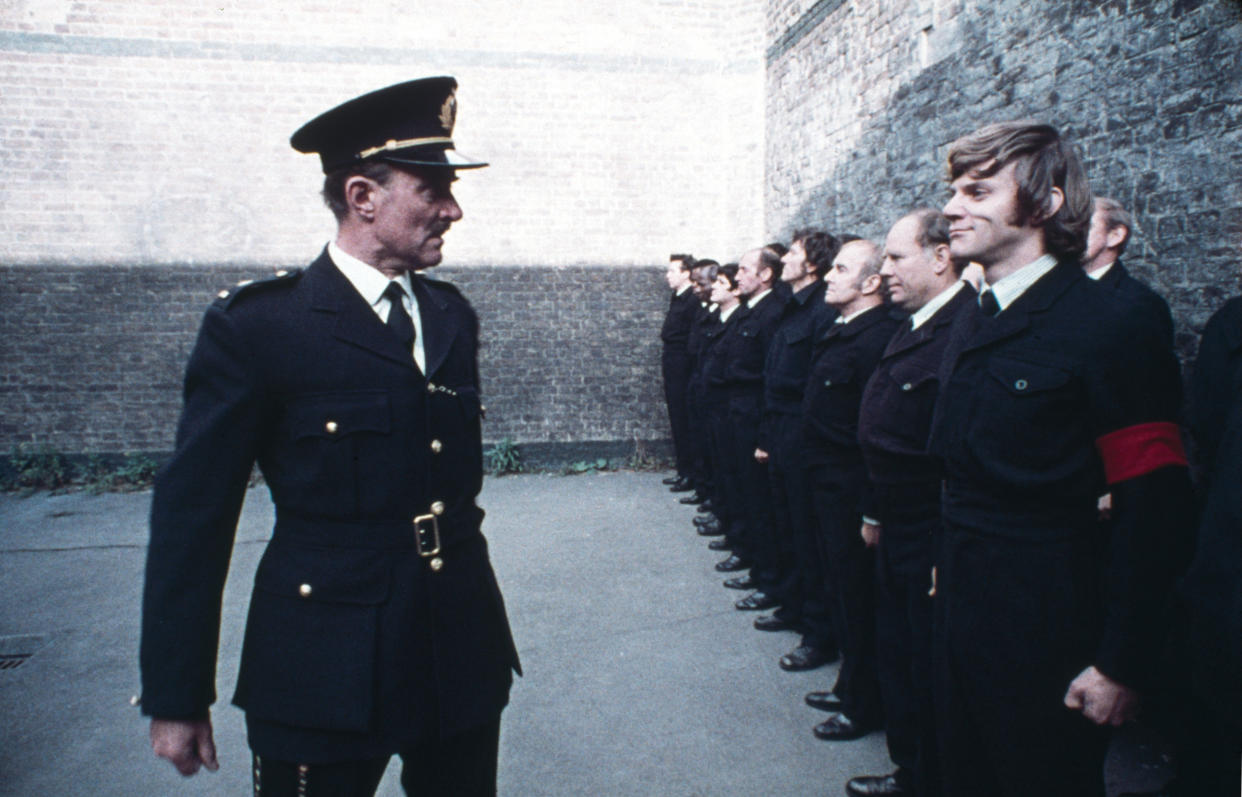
[(93, 358), (864, 98)]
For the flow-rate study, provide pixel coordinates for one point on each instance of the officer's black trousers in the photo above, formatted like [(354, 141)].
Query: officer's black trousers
[(676, 366), (903, 641), (755, 493), (804, 603), (727, 497), (460, 766), (850, 570), (1016, 620)]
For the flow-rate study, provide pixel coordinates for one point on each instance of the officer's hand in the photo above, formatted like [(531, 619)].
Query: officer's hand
[(188, 744), (870, 534), (761, 455), (1101, 699)]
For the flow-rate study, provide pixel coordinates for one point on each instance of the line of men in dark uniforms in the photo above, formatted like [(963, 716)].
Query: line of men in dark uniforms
[(978, 500)]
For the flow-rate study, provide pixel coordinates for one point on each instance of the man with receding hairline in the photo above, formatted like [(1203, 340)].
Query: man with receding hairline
[(1051, 396), (923, 280), (1110, 230), (846, 352)]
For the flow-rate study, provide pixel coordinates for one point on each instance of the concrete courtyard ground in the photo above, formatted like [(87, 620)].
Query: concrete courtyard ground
[(641, 678)]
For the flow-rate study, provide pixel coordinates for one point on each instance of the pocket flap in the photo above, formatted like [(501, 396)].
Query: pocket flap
[(337, 415), (1023, 378), (353, 576)]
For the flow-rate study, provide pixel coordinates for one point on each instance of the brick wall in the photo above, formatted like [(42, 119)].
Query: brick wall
[(863, 99), (144, 150), (93, 357)]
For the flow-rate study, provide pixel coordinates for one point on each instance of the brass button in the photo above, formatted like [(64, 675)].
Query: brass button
[(305, 590), (282, 273), (222, 295), (827, 383), (907, 386), (331, 427), (436, 446), (431, 387), (437, 508), (1020, 384), (437, 564)]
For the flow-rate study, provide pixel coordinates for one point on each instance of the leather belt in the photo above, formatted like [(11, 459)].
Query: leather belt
[(429, 534)]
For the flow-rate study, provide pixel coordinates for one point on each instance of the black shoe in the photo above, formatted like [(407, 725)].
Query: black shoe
[(756, 601), (681, 486), (705, 519), (706, 506), (711, 530), (841, 728), (891, 785), (670, 480), (824, 701), (806, 657), (732, 564), (770, 622), (693, 498), (740, 582), (718, 545)]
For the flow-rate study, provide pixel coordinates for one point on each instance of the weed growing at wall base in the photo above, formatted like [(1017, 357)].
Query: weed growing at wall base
[(503, 457)]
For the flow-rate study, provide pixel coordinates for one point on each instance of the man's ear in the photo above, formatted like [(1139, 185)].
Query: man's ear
[(1054, 203), (1116, 236), (871, 284), (943, 259), (360, 196)]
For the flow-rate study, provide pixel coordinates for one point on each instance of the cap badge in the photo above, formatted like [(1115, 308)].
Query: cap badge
[(448, 113)]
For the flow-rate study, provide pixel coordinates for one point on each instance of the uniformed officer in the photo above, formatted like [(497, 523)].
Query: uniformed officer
[(744, 350), (845, 355), (705, 317), (803, 600), (1054, 395), (376, 626), (675, 362), (1106, 241), (1208, 643), (923, 280)]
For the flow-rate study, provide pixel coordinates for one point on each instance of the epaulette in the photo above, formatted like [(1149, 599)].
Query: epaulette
[(285, 276)]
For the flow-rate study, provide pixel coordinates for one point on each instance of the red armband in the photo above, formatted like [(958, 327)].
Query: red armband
[(1139, 450)]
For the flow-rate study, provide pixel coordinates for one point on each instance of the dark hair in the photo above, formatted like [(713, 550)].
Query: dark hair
[(729, 272), (768, 258), (1043, 160), (709, 268), (1115, 216), (334, 183), (779, 248), (820, 247), (687, 261)]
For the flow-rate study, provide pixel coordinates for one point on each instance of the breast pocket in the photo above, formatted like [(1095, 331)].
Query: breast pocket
[(309, 654), (329, 441), (1033, 416), (913, 395)]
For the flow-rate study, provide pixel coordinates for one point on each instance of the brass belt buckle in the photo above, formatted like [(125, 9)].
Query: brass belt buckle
[(419, 532)]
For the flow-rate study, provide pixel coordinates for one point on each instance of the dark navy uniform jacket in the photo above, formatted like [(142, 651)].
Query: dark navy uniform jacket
[(1061, 397), (844, 357), (744, 351), (1212, 588), (358, 640), (675, 333), (789, 354), (1124, 288), (899, 398)]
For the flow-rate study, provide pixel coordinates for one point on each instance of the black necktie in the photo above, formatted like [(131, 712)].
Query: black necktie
[(398, 319), (988, 304)]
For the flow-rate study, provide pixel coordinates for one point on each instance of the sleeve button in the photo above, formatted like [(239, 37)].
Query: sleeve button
[(305, 590)]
